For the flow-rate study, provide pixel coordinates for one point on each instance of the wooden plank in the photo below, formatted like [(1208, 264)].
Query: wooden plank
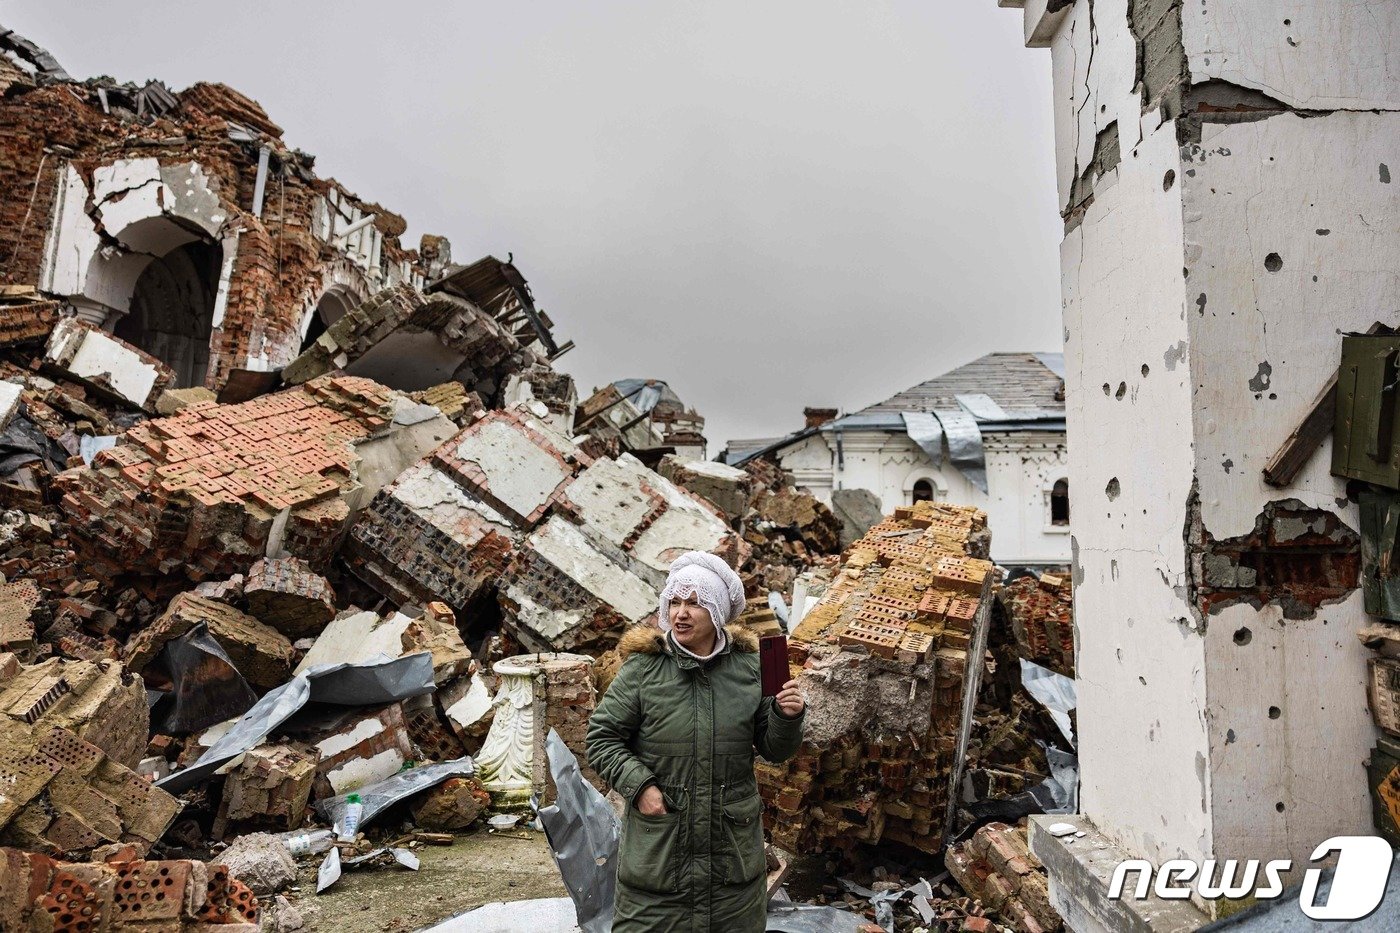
[(1298, 449)]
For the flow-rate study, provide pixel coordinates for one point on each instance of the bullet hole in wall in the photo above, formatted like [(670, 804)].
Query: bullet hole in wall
[(1243, 636), (1273, 262), (1275, 712)]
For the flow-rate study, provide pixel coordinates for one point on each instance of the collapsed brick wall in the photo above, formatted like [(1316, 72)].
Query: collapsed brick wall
[(883, 658), (282, 266), (201, 491)]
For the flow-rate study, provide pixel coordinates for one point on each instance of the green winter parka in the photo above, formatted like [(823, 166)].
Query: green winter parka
[(691, 728)]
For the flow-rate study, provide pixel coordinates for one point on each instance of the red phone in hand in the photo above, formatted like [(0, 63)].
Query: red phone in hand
[(773, 663)]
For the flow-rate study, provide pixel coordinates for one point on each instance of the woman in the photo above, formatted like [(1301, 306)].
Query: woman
[(675, 735)]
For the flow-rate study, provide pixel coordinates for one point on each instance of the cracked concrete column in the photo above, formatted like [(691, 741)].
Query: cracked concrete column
[(1224, 174)]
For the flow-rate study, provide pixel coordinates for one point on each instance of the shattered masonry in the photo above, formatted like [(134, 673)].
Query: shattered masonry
[(123, 893), (883, 657), (1297, 557), (212, 488), (576, 548), (1040, 613)]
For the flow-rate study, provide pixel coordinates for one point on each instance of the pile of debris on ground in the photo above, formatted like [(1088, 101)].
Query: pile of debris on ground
[(318, 574)]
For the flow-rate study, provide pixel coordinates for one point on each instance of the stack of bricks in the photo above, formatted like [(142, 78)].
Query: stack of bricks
[(1041, 613), (270, 788), (201, 491), (18, 600), (997, 868), (26, 318), (122, 894), (897, 619)]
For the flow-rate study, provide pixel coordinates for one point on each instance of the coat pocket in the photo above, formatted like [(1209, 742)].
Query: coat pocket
[(743, 829), (651, 852)]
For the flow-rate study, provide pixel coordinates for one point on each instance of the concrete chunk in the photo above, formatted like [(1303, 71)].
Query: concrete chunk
[(111, 367)]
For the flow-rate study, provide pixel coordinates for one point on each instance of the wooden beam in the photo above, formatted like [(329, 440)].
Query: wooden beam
[(1298, 449)]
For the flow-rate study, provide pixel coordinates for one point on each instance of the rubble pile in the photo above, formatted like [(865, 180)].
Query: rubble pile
[(347, 545), (1040, 614), (997, 868), (215, 487), (122, 893), (574, 548), (883, 656)]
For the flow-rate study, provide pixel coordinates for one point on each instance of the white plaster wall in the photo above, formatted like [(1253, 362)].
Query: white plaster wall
[(1166, 298), (1141, 678), (1323, 54), (1254, 189), (1021, 469)]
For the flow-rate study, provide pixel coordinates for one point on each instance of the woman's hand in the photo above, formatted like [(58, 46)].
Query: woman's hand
[(650, 802), (790, 700)]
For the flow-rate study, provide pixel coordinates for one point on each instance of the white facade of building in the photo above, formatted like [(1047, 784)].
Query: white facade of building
[(1225, 176), (1001, 414), (1022, 470)]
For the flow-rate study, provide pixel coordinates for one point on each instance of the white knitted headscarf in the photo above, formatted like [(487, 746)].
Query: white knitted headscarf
[(714, 584)]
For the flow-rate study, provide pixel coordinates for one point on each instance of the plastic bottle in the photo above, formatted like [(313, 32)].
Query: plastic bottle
[(350, 822), (308, 841)]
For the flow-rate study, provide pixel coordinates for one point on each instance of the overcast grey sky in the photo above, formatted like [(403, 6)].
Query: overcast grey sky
[(767, 204)]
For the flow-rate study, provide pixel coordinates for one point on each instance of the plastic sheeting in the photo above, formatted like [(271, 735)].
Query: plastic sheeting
[(206, 687), (1054, 691), (368, 683), (583, 834), (379, 797), (1063, 783)]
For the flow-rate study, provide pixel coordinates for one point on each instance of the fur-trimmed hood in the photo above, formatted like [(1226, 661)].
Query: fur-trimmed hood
[(645, 638)]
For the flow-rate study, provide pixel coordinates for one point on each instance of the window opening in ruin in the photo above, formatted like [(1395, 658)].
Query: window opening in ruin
[(171, 314), (1059, 502), (329, 309), (923, 491)]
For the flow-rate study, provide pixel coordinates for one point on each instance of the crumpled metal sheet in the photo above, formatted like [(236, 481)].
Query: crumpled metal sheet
[(330, 870), (1054, 691), (378, 797), (923, 429), (583, 835), (369, 683), (965, 445), (206, 687), (882, 901)]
